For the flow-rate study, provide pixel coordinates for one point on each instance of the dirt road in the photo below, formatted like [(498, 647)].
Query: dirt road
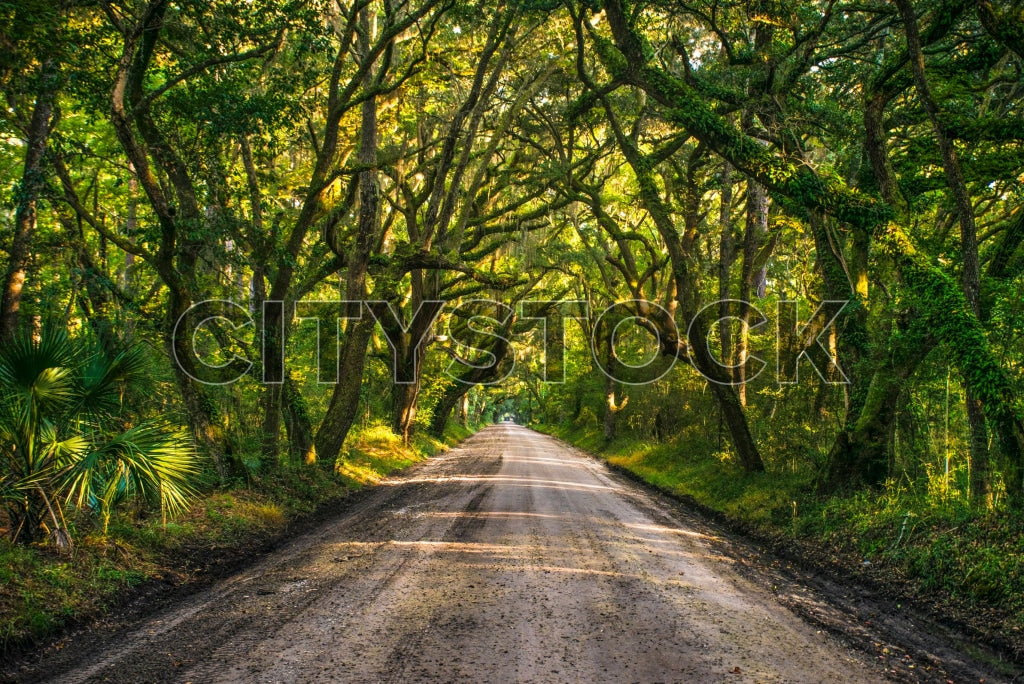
[(510, 558)]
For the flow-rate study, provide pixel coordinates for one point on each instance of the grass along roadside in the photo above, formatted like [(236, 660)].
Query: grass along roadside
[(964, 565), (43, 592)]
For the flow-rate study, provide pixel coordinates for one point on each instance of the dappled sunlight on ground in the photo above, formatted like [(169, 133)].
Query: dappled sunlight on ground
[(513, 481)]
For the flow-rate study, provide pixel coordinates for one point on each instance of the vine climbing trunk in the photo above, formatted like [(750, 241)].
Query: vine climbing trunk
[(297, 423), (971, 267)]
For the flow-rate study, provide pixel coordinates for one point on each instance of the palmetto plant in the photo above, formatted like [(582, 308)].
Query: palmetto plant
[(63, 440)]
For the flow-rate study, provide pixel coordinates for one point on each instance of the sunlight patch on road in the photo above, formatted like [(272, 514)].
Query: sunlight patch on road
[(666, 530), (550, 461), (469, 547), (495, 514), (555, 545), (506, 480)]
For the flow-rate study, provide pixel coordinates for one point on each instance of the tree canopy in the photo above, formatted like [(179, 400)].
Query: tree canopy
[(796, 225)]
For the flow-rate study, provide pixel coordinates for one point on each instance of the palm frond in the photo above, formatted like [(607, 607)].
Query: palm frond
[(24, 358), (146, 460), (102, 372), (52, 388)]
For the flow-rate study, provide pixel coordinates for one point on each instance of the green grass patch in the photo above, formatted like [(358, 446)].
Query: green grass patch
[(40, 591), (376, 452)]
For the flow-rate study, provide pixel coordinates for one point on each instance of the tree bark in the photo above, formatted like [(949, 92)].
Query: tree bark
[(750, 271), (456, 395), (612, 404), (971, 274), (297, 423), (726, 257), (341, 412), (403, 411), (860, 452), (32, 184)]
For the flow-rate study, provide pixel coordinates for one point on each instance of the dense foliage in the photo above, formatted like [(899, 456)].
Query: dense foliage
[(702, 166)]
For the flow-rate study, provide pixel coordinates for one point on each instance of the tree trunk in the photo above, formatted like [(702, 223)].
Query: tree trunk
[(200, 409), (273, 399), (409, 353), (98, 298), (95, 300), (860, 453), (687, 297), (32, 184), (753, 236), (981, 470), (726, 257), (341, 412), (851, 336), (971, 274), (131, 225), (728, 401), (611, 409), (403, 407), (457, 394), (270, 429), (296, 421), (612, 405)]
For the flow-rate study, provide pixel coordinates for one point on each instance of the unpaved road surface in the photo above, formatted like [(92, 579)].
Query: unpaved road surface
[(510, 558)]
